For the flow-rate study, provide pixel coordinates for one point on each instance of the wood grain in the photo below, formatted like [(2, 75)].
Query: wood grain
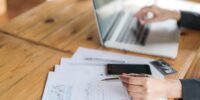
[(194, 70), (3, 6), (32, 43), (24, 64)]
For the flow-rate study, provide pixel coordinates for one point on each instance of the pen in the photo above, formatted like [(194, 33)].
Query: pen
[(107, 60), (107, 79), (132, 75)]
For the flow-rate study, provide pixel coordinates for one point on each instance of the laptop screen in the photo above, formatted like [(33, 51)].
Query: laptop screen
[(106, 12)]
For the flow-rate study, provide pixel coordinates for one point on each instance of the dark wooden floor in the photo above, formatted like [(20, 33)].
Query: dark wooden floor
[(16, 7)]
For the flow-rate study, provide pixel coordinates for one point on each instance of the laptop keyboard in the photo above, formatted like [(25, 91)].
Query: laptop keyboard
[(133, 33), (127, 34)]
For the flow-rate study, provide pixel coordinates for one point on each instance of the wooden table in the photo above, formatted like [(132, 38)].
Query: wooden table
[(3, 6), (35, 41)]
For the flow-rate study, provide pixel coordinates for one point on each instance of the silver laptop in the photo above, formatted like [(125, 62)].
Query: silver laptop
[(118, 28)]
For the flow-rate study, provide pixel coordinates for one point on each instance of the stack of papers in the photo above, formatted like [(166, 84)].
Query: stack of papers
[(79, 77)]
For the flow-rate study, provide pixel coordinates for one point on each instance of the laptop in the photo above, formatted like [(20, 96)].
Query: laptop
[(119, 29)]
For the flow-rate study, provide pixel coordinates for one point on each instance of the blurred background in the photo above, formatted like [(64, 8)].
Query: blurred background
[(16, 7)]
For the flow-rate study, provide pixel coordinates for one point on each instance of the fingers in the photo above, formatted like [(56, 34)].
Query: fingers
[(141, 15), (134, 88), (143, 88), (143, 12), (133, 80), (155, 14)]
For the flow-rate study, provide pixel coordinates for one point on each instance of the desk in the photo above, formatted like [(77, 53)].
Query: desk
[(3, 6), (33, 42)]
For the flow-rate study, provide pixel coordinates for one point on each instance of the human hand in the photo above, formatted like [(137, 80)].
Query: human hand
[(143, 88), (159, 14)]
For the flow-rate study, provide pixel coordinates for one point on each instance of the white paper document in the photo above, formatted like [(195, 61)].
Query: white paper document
[(77, 78), (83, 53)]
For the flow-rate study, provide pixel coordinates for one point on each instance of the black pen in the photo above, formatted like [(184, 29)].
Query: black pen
[(132, 75)]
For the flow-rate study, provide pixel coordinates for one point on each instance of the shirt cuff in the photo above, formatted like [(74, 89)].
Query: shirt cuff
[(190, 89), (189, 20), (182, 21)]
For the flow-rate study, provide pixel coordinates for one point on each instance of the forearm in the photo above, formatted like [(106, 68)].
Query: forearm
[(188, 89)]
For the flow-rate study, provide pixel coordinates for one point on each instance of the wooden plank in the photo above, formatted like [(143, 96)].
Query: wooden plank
[(40, 24), (24, 21), (20, 58), (59, 19), (194, 70), (71, 32), (34, 16), (189, 44), (31, 86), (88, 39), (3, 6)]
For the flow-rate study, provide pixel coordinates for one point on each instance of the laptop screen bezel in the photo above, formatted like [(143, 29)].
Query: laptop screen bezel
[(98, 24), (102, 36)]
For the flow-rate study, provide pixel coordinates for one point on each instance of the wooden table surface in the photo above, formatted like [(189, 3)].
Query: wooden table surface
[(3, 6), (32, 43)]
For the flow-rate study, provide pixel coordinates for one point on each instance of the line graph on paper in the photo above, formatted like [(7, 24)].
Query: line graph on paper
[(89, 91), (60, 92), (104, 91)]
